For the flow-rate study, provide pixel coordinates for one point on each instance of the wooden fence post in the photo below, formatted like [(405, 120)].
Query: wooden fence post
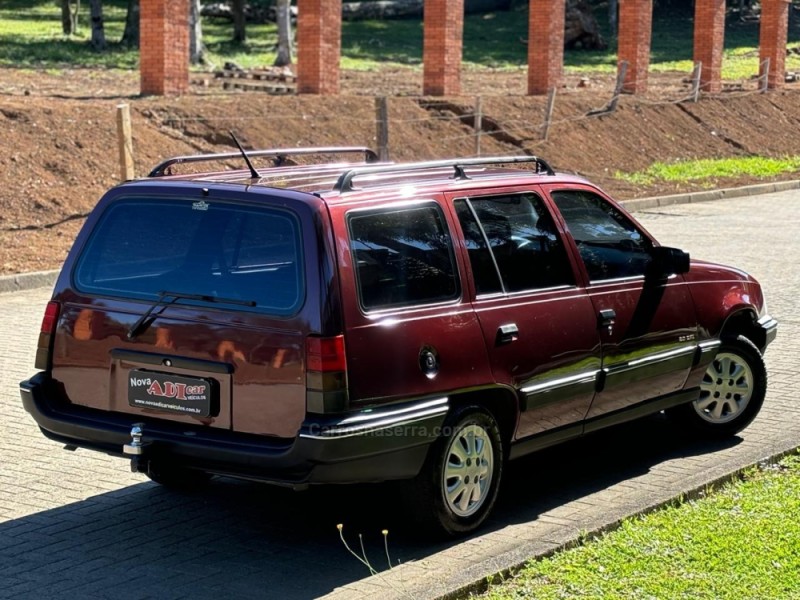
[(623, 69), (763, 85), (696, 73), (125, 141), (478, 124), (548, 113), (382, 127), (609, 108)]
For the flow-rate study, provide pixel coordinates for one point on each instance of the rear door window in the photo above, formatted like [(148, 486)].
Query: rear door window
[(142, 247), (403, 257), (515, 237)]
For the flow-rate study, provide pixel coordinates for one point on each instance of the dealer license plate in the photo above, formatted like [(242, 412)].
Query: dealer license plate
[(164, 391)]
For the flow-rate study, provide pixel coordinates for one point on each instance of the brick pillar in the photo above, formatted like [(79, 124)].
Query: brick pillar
[(772, 37), (164, 46), (319, 46), (441, 50), (545, 45), (709, 41), (635, 28)]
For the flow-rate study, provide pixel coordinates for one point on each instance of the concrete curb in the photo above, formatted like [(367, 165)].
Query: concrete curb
[(30, 281), (502, 572), (706, 196), (27, 281)]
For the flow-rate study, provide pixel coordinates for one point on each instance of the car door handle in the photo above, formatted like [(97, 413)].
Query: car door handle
[(606, 318), (507, 333)]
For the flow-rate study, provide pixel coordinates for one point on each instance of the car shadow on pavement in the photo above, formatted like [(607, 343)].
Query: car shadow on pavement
[(248, 540)]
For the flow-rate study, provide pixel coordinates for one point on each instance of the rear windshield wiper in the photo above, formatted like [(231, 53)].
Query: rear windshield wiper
[(173, 297)]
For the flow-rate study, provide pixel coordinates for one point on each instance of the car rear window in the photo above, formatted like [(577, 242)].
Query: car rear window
[(142, 247)]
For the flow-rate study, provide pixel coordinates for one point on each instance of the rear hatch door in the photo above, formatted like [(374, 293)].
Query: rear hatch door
[(192, 307)]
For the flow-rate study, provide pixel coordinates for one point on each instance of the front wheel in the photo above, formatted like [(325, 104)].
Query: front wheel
[(458, 485), (731, 393)]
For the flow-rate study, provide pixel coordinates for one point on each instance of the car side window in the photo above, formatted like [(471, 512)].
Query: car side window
[(610, 245), (514, 235), (403, 257)]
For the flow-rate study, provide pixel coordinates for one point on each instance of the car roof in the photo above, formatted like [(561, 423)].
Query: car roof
[(348, 181)]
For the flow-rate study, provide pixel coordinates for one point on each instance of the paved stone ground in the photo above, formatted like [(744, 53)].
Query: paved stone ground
[(77, 524)]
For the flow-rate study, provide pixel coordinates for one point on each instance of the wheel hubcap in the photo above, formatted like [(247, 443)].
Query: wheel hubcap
[(726, 389), (468, 470)]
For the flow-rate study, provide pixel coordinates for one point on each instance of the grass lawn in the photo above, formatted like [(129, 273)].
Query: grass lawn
[(742, 541), (30, 36), (688, 170)]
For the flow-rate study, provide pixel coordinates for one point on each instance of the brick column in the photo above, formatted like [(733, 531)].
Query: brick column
[(635, 28), (164, 46), (441, 50), (545, 45), (319, 46), (709, 41), (772, 39)]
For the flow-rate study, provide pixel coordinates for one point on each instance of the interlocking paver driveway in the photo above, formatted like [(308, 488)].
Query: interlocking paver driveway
[(77, 524)]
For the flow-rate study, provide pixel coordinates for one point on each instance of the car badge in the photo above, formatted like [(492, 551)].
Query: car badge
[(201, 205)]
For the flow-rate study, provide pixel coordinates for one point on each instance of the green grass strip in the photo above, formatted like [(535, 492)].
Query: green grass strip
[(712, 168), (740, 542)]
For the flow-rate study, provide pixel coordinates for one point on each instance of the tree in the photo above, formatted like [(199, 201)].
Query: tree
[(612, 17), (69, 16), (239, 33), (284, 18), (130, 37), (196, 47), (98, 42)]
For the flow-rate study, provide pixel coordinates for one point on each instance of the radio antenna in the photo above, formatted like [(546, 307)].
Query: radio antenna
[(253, 173)]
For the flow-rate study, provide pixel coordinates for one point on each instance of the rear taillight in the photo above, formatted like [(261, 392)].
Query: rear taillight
[(326, 374), (44, 347), (325, 354)]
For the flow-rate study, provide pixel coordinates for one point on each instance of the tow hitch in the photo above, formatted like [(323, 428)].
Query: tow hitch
[(136, 449)]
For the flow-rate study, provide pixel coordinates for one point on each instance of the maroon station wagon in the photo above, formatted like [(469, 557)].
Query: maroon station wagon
[(359, 322)]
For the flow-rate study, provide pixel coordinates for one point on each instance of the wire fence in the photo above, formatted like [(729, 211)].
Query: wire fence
[(520, 135)]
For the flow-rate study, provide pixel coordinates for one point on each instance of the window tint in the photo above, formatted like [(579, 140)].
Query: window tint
[(403, 257), (523, 240), (610, 244), (143, 247), (484, 271)]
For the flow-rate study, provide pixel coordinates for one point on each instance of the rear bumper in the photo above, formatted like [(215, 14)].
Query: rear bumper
[(370, 445)]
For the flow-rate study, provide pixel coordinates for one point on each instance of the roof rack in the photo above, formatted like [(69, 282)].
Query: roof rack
[(279, 153), (345, 182)]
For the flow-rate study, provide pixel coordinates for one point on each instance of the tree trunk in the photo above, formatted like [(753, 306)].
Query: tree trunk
[(66, 18), (69, 16), (98, 42), (284, 18), (196, 48), (612, 17), (131, 36), (239, 33), (74, 16)]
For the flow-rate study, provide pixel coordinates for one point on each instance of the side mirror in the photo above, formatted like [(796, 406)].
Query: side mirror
[(669, 261)]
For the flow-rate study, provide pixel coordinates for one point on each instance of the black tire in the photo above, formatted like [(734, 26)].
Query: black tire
[(723, 408), (177, 478), (476, 492)]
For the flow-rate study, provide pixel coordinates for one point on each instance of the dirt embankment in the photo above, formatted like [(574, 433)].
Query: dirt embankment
[(59, 154)]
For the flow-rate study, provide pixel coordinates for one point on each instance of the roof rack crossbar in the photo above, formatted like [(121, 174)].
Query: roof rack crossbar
[(279, 153), (345, 182)]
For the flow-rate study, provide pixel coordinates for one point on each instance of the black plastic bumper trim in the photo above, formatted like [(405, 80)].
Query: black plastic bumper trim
[(391, 451)]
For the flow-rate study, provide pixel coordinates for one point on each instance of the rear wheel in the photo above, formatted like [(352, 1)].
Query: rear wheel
[(458, 485), (177, 478), (731, 393)]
